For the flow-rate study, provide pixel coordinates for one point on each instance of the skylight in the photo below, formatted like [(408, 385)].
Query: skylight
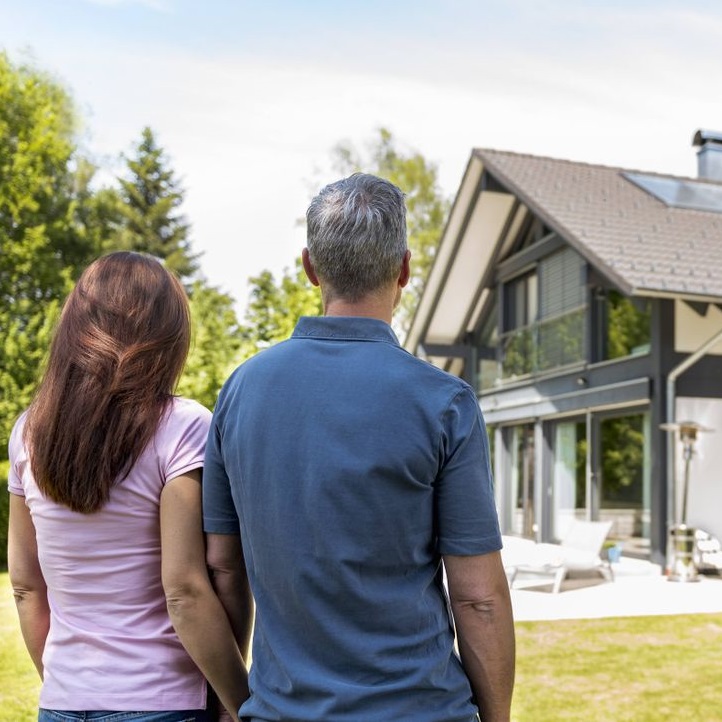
[(680, 193)]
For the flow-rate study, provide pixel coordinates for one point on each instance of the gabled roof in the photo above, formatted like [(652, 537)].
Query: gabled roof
[(649, 247), (639, 243)]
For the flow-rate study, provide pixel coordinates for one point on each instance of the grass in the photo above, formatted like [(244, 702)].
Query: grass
[(19, 681), (631, 669)]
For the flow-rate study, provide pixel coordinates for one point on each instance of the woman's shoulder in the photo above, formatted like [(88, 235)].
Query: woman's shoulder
[(16, 442), (184, 412), (189, 407), (184, 427)]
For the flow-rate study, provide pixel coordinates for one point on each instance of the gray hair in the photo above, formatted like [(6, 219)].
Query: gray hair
[(356, 232)]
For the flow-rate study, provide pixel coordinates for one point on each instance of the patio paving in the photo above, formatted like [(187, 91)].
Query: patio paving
[(639, 589)]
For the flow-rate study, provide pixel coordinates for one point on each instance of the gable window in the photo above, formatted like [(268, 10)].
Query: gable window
[(562, 317), (544, 322), (521, 296)]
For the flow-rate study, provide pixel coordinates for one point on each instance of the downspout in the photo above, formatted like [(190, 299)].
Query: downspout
[(670, 417)]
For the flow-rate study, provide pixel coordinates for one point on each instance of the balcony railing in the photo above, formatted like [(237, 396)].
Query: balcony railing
[(544, 345)]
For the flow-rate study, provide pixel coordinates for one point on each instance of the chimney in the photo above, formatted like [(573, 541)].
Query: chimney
[(709, 155)]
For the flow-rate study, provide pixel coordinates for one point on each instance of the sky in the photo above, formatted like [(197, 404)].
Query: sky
[(248, 97)]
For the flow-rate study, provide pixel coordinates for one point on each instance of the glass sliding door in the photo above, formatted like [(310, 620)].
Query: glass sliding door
[(521, 447), (625, 479), (569, 485)]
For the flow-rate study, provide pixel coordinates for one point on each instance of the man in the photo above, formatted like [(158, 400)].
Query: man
[(350, 468)]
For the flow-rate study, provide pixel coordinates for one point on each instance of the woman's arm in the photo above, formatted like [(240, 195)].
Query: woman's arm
[(31, 594), (197, 615)]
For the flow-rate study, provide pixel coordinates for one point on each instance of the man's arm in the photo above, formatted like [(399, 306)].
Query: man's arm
[(481, 605), (224, 556), (195, 610), (26, 578)]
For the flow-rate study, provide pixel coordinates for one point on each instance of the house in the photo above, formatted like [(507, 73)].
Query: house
[(584, 304)]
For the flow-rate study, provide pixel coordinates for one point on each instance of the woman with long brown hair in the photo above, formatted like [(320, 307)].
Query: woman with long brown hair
[(106, 549)]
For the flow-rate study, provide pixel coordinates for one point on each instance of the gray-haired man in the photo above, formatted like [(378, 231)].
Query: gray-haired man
[(349, 469)]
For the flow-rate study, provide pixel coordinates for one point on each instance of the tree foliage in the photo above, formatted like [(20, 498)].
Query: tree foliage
[(215, 344), (43, 245), (275, 307)]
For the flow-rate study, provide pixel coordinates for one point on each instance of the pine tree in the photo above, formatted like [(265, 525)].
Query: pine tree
[(149, 218)]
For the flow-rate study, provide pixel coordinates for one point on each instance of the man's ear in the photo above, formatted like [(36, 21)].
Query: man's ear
[(405, 272), (308, 267)]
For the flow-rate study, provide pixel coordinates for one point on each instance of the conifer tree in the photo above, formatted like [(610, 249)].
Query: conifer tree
[(149, 217)]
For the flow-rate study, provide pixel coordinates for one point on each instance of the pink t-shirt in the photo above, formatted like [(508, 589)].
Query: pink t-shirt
[(111, 645)]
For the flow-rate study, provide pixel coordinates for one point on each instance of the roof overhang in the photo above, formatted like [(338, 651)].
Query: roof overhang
[(488, 213), (483, 216)]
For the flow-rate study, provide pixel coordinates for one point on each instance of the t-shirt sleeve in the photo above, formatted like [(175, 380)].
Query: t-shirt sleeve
[(219, 512), (467, 520), (184, 439), (18, 458)]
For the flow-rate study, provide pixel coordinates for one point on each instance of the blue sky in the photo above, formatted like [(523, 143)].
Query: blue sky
[(249, 96)]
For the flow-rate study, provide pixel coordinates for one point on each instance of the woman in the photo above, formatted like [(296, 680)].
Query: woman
[(105, 535)]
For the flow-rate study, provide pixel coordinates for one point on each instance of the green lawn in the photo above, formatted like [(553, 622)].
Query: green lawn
[(630, 669), (633, 669), (19, 682)]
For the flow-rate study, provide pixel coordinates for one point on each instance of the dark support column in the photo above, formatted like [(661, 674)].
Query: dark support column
[(594, 451), (662, 358), (546, 481)]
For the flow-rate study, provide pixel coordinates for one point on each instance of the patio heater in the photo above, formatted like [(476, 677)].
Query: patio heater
[(682, 546)]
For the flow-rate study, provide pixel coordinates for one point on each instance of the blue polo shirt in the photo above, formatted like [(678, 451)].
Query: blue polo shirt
[(349, 466)]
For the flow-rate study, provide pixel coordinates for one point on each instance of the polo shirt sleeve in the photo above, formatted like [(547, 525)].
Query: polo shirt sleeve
[(219, 512), (18, 458), (466, 516)]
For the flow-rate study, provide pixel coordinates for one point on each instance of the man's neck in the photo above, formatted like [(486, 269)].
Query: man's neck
[(371, 307)]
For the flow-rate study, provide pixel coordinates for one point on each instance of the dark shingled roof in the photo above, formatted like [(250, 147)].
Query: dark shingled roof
[(643, 245)]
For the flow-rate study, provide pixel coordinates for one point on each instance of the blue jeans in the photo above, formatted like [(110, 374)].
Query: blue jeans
[(190, 715)]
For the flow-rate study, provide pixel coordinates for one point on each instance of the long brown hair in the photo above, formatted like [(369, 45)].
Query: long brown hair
[(118, 350)]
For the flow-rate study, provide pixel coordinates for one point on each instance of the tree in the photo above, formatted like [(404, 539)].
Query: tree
[(42, 246), (42, 243), (215, 344), (275, 307), (148, 220)]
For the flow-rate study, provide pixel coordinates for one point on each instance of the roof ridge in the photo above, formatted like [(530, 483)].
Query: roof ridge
[(580, 163)]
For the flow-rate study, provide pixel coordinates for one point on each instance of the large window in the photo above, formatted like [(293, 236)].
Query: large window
[(521, 448), (545, 324), (625, 479), (569, 485), (627, 326)]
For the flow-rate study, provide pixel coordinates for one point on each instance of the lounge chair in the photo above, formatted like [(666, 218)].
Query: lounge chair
[(709, 552), (579, 550)]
